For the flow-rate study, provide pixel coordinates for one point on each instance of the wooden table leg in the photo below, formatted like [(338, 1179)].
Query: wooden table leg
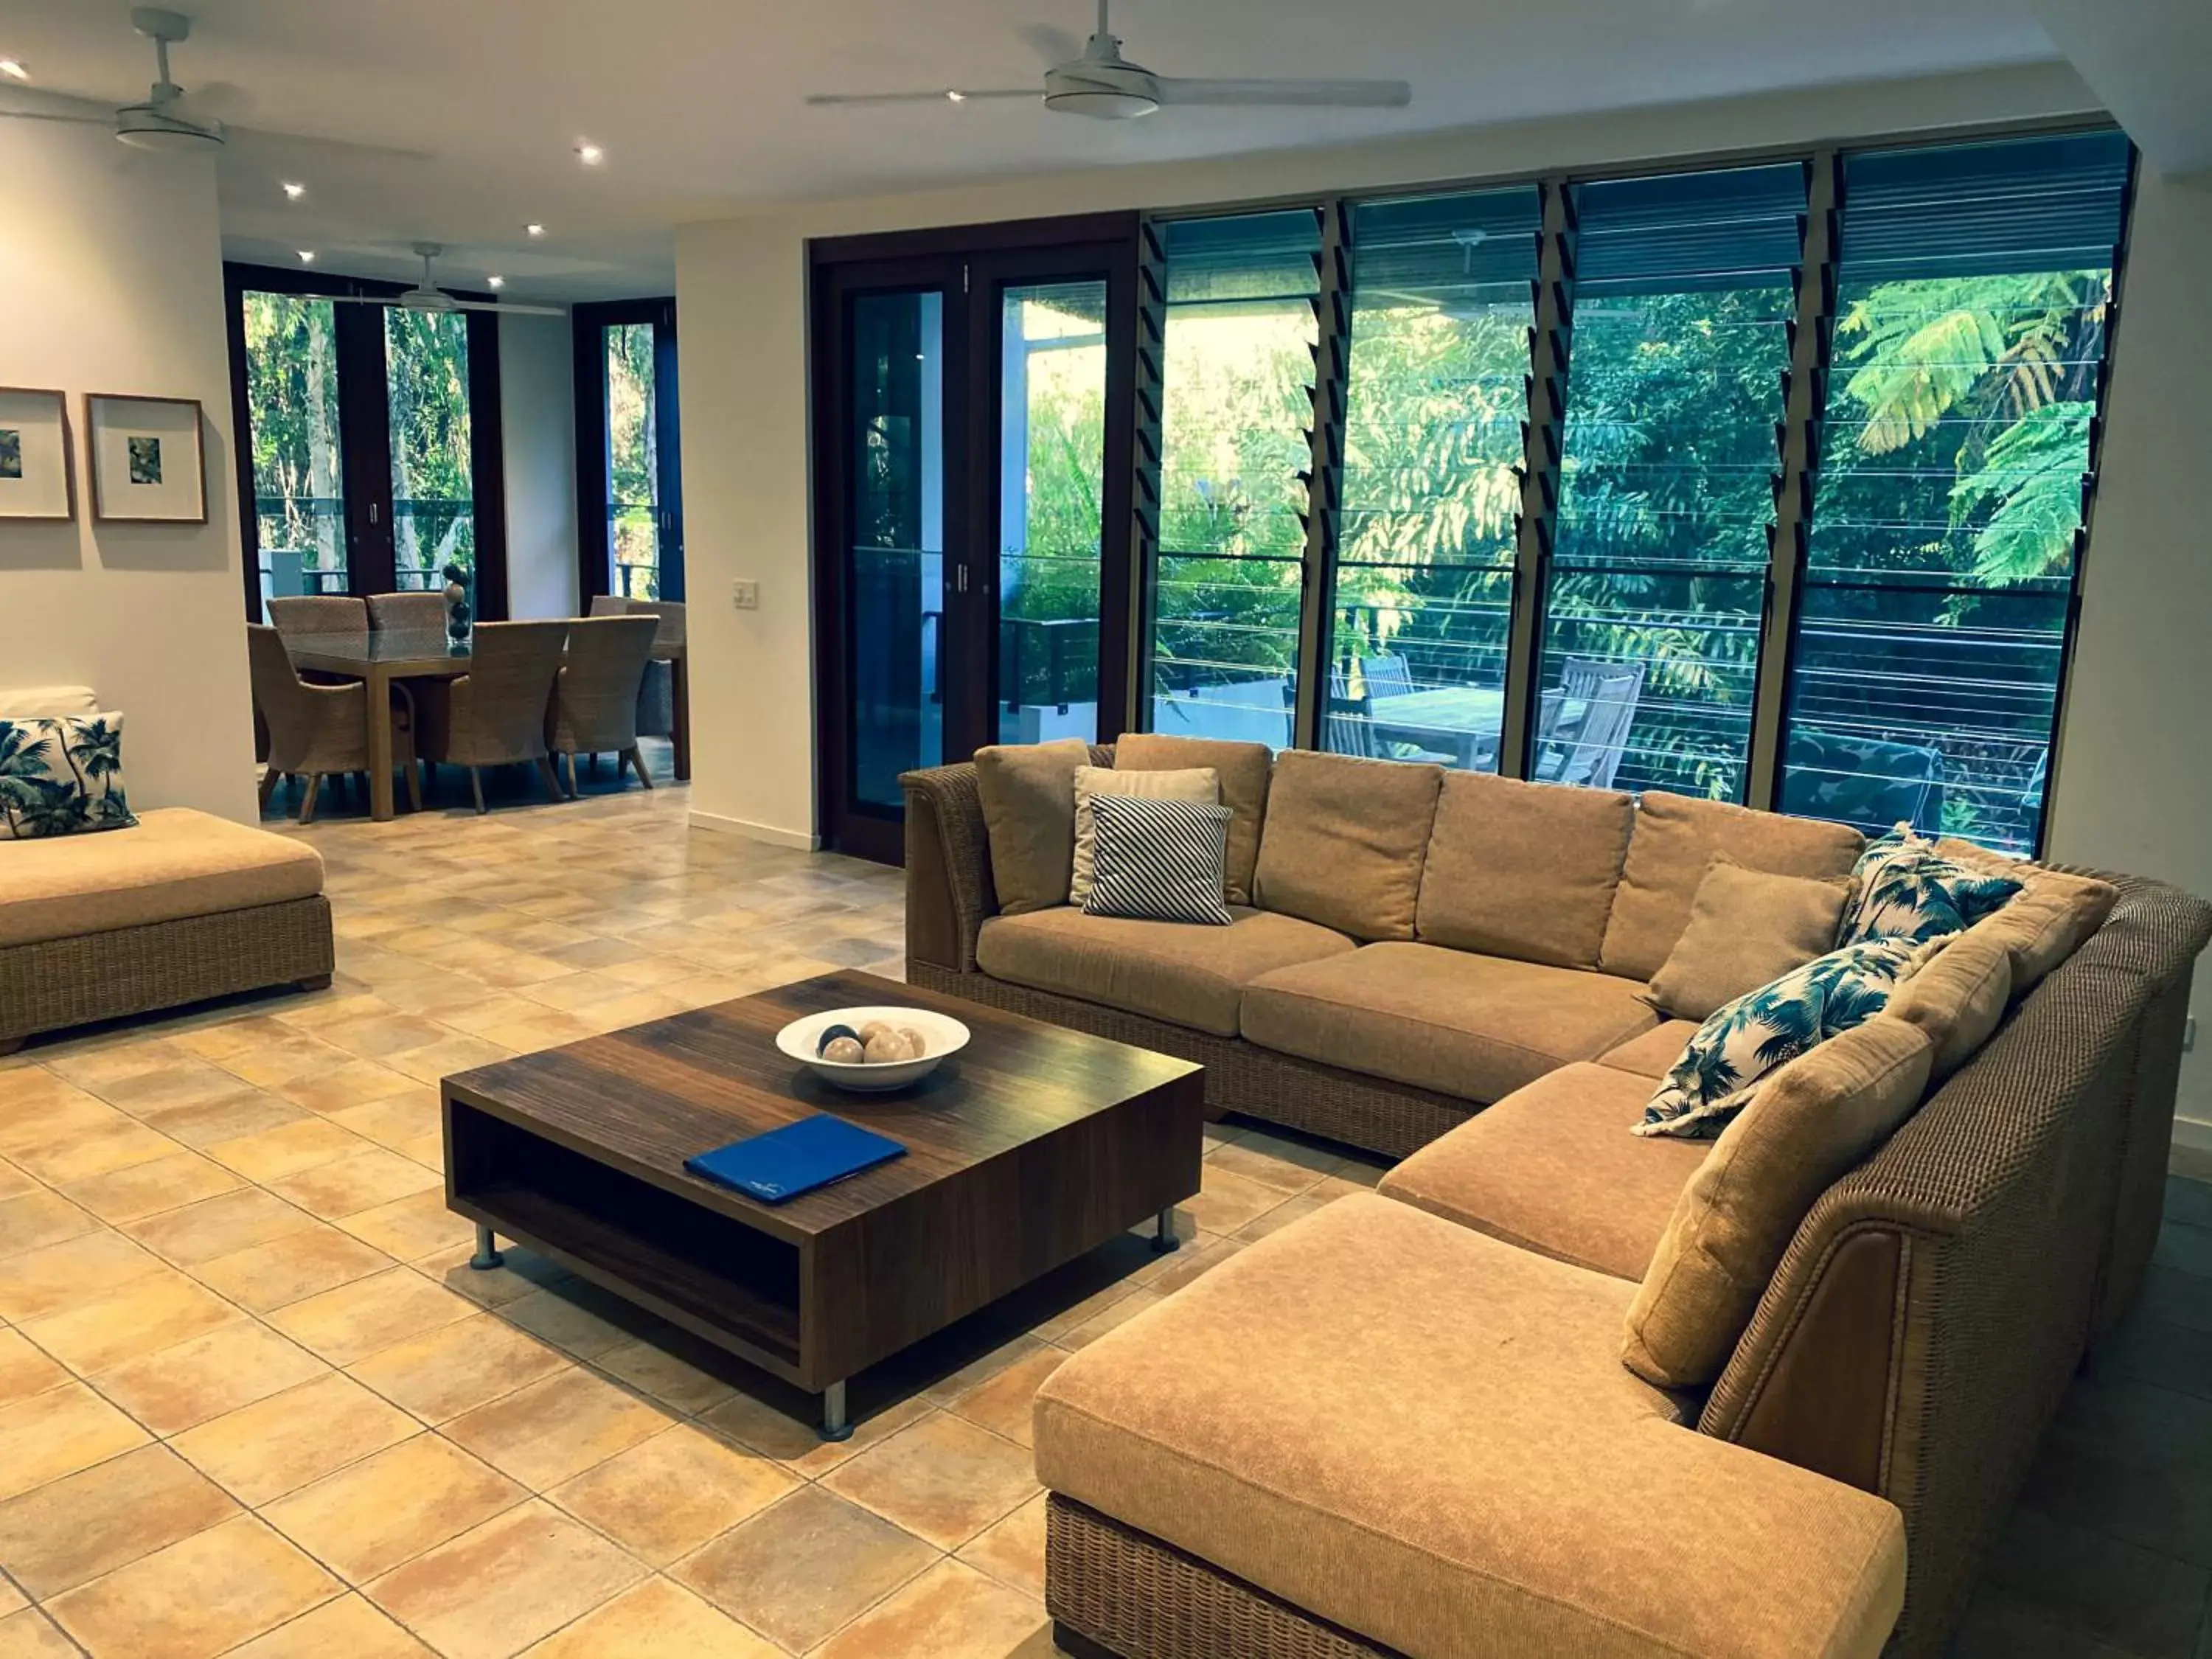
[(380, 804), (679, 699)]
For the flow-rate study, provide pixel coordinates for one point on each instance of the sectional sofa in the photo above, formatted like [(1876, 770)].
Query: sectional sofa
[(1404, 1426)]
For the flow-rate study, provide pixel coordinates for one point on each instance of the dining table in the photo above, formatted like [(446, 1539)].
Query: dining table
[(384, 655), (1463, 721)]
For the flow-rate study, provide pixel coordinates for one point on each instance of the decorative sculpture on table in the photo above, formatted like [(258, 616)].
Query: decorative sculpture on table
[(459, 613)]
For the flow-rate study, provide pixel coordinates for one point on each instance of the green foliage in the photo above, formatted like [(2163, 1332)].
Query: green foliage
[(2027, 495), (634, 458)]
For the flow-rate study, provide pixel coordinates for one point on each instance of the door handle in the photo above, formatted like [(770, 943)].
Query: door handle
[(960, 577)]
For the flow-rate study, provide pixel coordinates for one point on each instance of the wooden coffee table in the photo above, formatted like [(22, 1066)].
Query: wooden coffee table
[(1031, 1146)]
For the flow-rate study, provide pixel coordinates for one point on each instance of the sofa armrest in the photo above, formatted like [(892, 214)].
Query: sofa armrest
[(948, 867)]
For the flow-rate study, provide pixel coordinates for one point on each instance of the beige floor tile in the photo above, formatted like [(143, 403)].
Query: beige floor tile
[(369, 1516), (524, 1273), (30, 1634), (412, 1227), (11, 1601), (458, 1367), (234, 1365), (353, 1184), (182, 1082), (275, 1153), (392, 1122), (79, 1157), (571, 1315), (196, 1598), (1004, 1404), (260, 1452), (557, 1428), (805, 1567), (502, 1009), (70, 1531), (1227, 1200), (39, 1218), (1189, 1263), (144, 1189), (350, 1627), (1289, 1211), (666, 1497), (442, 1060), (943, 1479), (497, 1590), (281, 1058), (246, 1113), (24, 1370), (1057, 1325), (377, 1036), (369, 1315), (657, 1619), (796, 1442), (358, 1083), (47, 1280), (300, 1265), (47, 1436), (1290, 1166), (219, 1226), (951, 1612), (1109, 1319), (548, 1029), (146, 1314), (14, 1183), (648, 1365), (1012, 1551)]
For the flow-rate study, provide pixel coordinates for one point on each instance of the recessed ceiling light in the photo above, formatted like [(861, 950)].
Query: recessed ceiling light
[(957, 97), (535, 230), (306, 256), (590, 154), (14, 69), (294, 192), (497, 282)]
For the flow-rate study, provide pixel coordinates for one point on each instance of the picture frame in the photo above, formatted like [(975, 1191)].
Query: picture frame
[(149, 459), (38, 470)]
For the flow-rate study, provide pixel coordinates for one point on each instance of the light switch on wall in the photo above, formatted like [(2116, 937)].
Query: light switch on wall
[(744, 595)]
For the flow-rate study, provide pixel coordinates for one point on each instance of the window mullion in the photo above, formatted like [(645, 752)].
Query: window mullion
[(1145, 450), (1543, 439), (1325, 472), (1812, 335)]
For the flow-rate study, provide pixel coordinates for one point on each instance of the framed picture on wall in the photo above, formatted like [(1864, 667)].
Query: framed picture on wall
[(37, 482), (147, 461)]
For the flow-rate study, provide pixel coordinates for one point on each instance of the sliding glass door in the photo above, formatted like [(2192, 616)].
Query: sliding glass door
[(627, 458), (426, 369), (969, 494), (295, 449)]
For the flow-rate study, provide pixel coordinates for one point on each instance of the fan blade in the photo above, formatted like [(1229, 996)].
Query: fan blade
[(945, 97), (504, 309), (49, 115), (360, 299), (261, 139), (1052, 47), (1335, 94)]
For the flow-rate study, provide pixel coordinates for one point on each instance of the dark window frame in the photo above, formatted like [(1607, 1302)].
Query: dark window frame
[(594, 543)]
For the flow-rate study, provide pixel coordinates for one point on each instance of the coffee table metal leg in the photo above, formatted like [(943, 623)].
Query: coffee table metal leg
[(1163, 1232), (487, 1256), (835, 1425)]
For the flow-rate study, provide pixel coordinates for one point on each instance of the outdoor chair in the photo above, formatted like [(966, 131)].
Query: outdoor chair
[(494, 714), (1385, 676), (319, 730), (595, 695), (1588, 750), (1863, 780)]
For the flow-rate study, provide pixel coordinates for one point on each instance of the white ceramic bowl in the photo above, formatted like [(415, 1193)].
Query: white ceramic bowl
[(942, 1033)]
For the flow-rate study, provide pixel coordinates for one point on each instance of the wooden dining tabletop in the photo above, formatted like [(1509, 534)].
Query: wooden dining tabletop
[(385, 654)]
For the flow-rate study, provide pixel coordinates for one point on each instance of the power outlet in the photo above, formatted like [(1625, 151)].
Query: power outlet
[(2189, 1033), (745, 595)]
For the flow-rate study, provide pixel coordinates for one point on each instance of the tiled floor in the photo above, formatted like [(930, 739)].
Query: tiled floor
[(252, 1400)]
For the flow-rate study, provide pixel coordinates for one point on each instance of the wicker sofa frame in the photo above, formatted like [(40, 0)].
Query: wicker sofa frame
[(1916, 1340), (59, 983)]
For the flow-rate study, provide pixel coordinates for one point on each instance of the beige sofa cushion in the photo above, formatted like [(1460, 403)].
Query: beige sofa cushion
[(1959, 997), (1524, 870), (1475, 1027), (1181, 972), (1344, 842), (1245, 769), (1808, 1124), (1674, 841), (1746, 928), (174, 863), (1654, 1054), (28, 702), (2047, 920), (1199, 783), (1029, 815), (1423, 1435), (1553, 1167)]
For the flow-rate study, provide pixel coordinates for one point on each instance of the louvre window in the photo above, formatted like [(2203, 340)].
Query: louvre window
[(1974, 302), (1237, 375), (1684, 289), (1442, 306)]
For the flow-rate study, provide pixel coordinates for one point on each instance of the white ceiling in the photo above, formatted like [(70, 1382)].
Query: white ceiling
[(698, 102)]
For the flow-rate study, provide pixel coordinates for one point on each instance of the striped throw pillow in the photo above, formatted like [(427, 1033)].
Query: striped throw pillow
[(1158, 860)]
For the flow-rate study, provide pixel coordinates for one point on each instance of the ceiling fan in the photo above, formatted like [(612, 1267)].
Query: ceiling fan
[(1106, 86), (426, 296)]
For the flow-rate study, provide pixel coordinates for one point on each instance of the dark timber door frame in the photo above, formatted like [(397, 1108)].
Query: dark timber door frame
[(594, 544)]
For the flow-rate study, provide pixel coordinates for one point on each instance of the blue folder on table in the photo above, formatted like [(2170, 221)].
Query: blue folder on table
[(795, 1159)]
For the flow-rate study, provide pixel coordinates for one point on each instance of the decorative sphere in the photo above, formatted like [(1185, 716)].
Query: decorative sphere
[(874, 1029), (829, 1036), (846, 1051), (886, 1046), (917, 1045), (455, 593)]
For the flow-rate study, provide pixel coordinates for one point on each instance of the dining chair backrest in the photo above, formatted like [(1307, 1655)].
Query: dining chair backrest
[(411, 613), (277, 687), (510, 685), (1609, 692), (595, 694), (672, 634), (311, 728), (610, 604), (1386, 675), (1348, 723), (299, 615)]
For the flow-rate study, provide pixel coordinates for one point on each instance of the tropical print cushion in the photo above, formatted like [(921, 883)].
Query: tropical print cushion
[(62, 776), (1742, 1041), (1903, 887)]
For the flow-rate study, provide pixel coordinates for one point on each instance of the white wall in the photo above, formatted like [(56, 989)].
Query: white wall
[(2134, 784), (537, 416), (110, 281)]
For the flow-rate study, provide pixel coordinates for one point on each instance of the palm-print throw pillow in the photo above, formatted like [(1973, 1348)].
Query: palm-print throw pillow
[(1743, 1041), (62, 776), (1903, 887)]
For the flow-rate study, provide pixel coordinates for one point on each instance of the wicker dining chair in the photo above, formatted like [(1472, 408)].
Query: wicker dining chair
[(656, 695), (494, 714), (595, 695), (297, 616), (317, 732), (407, 613)]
